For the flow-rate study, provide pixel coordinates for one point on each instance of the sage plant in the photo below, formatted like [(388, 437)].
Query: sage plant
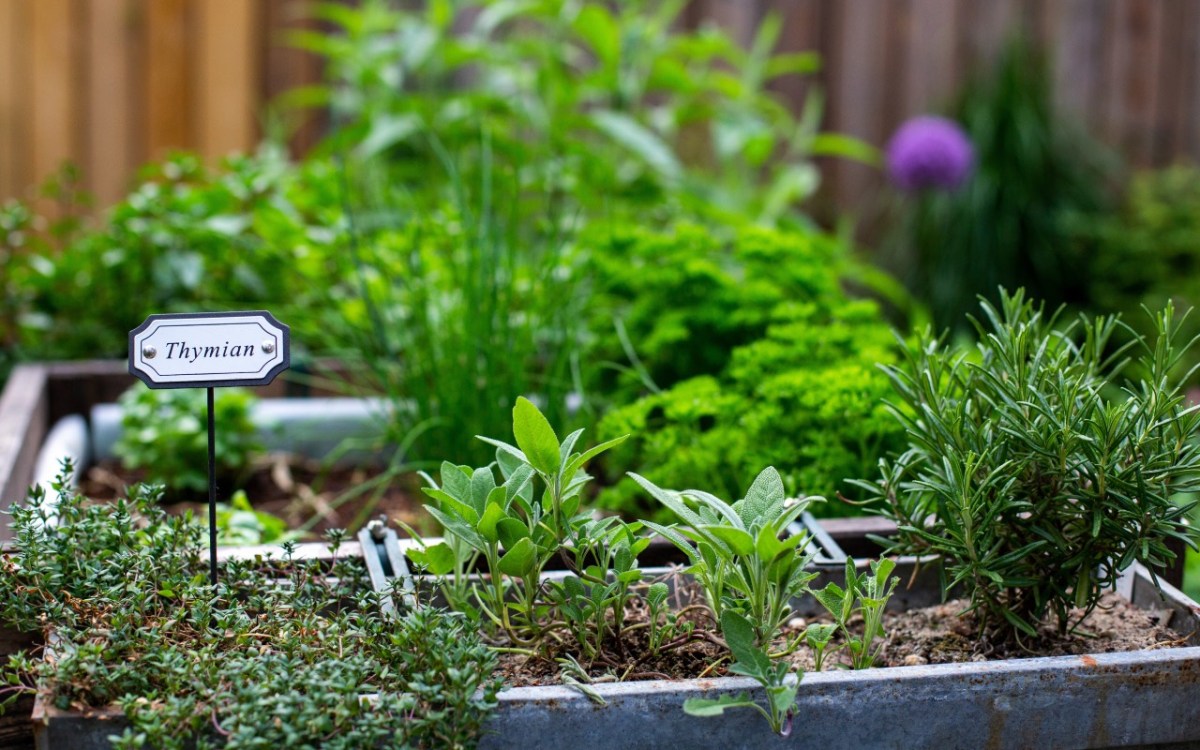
[(516, 531), (743, 555)]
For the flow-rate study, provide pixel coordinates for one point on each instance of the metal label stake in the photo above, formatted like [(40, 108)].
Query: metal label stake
[(209, 350), (212, 491)]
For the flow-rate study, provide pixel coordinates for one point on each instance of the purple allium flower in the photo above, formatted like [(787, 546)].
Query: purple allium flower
[(929, 152)]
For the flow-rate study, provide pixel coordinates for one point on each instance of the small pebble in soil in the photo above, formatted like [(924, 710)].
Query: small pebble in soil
[(913, 660), (796, 623)]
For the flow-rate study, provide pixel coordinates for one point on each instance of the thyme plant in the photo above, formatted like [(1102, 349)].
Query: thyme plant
[(1034, 477), (287, 653)]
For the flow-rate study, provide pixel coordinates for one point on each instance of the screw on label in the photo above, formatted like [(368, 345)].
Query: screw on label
[(149, 352)]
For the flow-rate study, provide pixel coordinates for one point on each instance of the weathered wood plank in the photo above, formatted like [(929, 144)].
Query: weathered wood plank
[(1077, 55), (930, 71), (1135, 99), (11, 172), (24, 421), (226, 76), (110, 100), (51, 103), (856, 101), (167, 92)]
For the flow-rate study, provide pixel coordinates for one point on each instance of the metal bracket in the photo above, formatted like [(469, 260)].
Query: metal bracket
[(387, 568), (827, 552)]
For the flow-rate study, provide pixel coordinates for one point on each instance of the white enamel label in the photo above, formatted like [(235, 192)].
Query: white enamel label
[(213, 349)]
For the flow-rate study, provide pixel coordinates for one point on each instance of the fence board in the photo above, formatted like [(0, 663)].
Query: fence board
[(856, 77), (1190, 64), (285, 68), (110, 95), (931, 71), (10, 170), (52, 108), (226, 75), (167, 94), (1078, 32), (111, 83)]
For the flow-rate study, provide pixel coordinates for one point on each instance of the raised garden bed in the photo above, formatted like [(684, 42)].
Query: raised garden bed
[(1088, 700), (1098, 700)]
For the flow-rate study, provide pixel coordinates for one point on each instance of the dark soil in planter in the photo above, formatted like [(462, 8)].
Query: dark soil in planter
[(939, 635), (929, 635), (631, 660), (295, 489)]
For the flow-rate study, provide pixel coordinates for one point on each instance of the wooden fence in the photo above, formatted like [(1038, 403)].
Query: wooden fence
[(110, 84)]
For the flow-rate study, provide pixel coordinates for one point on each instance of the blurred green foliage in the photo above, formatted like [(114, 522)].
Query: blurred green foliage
[(596, 105), (1148, 253), (164, 433), (800, 390)]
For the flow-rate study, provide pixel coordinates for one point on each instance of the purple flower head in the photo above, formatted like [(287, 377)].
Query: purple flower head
[(929, 152)]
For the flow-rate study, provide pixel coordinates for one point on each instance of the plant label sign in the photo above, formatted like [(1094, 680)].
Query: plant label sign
[(207, 350)]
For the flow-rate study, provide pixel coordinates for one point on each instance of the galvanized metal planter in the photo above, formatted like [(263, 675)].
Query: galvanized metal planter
[(1096, 701), (1100, 700)]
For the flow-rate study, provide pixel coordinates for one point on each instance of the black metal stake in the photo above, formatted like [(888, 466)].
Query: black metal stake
[(212, 492)]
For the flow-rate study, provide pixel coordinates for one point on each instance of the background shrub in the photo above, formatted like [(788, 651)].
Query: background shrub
[(801, 391)]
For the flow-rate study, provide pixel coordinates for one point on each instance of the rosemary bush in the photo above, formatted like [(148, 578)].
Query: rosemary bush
[(1029, 472), (284, 654)]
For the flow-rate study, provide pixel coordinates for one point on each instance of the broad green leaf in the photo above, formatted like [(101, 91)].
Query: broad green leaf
[(456, 526), (482, 484), (783, 697), (503, 447), (453, 505), (492, 515), (519, 560), (386, 131), (657, 594), (438, 559), (581, 460), (456, 480), (845, 147), (596, 25), (639, 140), (739, 636), (818, 634), (510, 460), (535, 437), (764, 499), (768, 545), (518, 482), (708, 707), (669, 499), (831, 598), (674, 537), (567, 448), (510, 531), (739, 541)]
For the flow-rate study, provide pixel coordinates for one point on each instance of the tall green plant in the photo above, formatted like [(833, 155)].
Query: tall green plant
[(1028, 473), (597, 103), (455, 312)]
